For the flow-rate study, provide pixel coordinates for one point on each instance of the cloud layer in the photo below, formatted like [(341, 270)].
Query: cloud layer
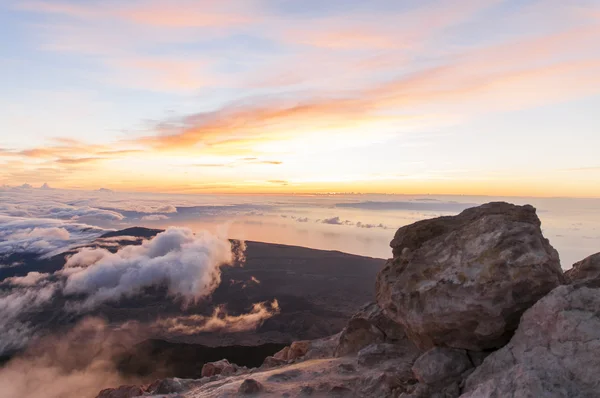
[(187, 264)]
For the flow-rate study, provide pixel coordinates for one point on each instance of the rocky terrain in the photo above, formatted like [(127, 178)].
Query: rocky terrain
[(316, 292), (474, 305)]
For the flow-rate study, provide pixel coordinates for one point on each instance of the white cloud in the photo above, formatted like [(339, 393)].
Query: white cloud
[(31, 279), (188, 264), (72, 365), (16, 332), (155, 217), (42, 236)]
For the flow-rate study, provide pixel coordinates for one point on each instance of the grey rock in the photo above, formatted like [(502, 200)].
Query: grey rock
[(464, 281), (373, 313), (477, 357), (585, 272), (272, 362), (554, 352), (250, 387), (396, 359), (357, 334), (323, 348), (210, 369), (170, 386), (440, 365), (121, 392)]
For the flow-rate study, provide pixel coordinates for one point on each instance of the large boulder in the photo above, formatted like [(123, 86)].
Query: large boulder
[(464, 281), (585, 272), (554, 352)]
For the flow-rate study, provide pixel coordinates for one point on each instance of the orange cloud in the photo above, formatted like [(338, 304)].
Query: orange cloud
[(78, 160)]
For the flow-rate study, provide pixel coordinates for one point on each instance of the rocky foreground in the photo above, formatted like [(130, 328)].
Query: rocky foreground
[(469, 306)]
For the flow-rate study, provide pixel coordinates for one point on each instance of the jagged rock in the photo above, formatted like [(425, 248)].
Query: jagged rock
[(298, 349), (400, 357), (375, 315), (440, 365), (464, 281), (250, 387), (122, 392), (282, 354), (323, 348), (272, 362), (169, 386), (585, 272), (358, 334), (216, 368), (554, 352)]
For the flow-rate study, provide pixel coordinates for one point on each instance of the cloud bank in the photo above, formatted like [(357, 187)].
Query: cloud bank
[(188, 264)]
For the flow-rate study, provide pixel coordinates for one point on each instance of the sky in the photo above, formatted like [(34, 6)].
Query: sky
[(287, 96)]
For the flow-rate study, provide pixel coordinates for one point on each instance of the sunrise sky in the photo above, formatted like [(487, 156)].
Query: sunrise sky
[(457, 97)]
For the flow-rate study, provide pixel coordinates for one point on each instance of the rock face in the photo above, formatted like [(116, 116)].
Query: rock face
[(464, 281), (585, 272), (554, 352)]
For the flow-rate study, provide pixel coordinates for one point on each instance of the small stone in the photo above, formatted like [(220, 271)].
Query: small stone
[(249, 387)]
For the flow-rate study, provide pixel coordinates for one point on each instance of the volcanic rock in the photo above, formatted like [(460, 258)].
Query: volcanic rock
[(250, 387), (585, 272), (271, 362), (358, 334), (464, 281), (298, 349), (441, 364), (399, 357), (170, 386), (215, 368), (282, 354), (121, 392), (554, 352)]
